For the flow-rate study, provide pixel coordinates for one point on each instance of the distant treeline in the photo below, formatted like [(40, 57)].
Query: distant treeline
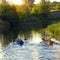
[(55, 6), (25, 17)]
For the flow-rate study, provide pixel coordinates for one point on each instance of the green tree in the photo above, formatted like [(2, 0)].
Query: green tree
[(54, 30), (24, 12), (57, 7), (8, 14), (4, 11), (28, 2), (42, 10)]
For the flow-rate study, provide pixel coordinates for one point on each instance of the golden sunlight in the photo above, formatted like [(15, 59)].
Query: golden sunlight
[(17, 2)]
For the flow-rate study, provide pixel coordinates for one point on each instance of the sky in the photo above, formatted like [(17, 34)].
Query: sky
[(37, 1), (55, 0), (20, 1)]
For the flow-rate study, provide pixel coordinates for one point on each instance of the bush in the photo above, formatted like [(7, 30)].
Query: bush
[(54, 29)]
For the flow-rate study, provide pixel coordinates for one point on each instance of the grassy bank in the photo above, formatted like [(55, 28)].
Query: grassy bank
[(54, 30)]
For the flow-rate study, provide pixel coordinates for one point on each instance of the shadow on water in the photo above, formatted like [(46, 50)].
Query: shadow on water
[(9, 36), (9, 24)]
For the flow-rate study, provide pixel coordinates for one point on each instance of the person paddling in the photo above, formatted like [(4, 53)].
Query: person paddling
[(19, 42), (48, 40)]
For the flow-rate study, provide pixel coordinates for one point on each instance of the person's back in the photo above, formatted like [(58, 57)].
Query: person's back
[(48, 41), (19, 41)]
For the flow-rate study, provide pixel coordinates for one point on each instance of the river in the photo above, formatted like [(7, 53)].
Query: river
[(33, 49)]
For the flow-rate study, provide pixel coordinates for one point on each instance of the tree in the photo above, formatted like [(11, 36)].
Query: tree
[(45, 1), (29, 2), (3, 1), (4, 11), (57, 7), (42, 8), (54, 30), (42, 11), (23, 12), (8, 14)]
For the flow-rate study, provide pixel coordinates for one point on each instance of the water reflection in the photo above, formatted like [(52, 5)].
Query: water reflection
[(32, 37), (36, 37)]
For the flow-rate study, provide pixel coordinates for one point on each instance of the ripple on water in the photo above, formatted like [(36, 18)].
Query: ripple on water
[(31, 51)]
